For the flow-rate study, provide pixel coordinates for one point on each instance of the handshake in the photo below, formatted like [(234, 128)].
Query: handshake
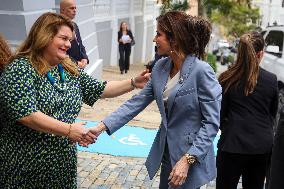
[(85, 136)]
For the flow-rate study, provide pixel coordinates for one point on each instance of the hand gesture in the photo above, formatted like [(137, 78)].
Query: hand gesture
[(92, 135), (89, 138), (141, 80), (97, 130), (179, 173), (82, 64), (77, 131)]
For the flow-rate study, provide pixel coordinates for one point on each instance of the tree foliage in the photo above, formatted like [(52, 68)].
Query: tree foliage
[(169, 5), (236, 16)]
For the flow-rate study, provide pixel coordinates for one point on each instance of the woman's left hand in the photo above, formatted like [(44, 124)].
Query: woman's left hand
[(179, 173), (141, 80)]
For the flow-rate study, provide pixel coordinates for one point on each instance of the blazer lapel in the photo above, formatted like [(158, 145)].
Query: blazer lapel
[(161, 83), (184, 73)]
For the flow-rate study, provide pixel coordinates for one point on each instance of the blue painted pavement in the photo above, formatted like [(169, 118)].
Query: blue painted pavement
[(127, 141)]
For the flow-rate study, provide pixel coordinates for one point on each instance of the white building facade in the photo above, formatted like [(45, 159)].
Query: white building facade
[(98, 21), (271, 11)]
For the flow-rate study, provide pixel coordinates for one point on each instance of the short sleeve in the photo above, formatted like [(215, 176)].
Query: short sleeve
[(18, 98), (91, 88)]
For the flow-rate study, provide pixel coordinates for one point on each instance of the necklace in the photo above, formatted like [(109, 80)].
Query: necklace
[(60, 86)]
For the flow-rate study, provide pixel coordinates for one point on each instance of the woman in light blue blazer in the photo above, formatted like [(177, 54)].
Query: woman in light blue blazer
[(188, 96)]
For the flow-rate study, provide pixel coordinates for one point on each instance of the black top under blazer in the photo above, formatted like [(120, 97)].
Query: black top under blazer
[(247, 121)]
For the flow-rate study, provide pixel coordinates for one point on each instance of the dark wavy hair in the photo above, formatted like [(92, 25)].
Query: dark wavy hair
[(187, 34), (246, 67)]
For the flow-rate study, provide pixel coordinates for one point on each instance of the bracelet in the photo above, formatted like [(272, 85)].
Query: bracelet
[(133, 83), (69, 130)]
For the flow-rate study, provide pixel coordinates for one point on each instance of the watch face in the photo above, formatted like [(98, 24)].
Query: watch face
[(190, 159)]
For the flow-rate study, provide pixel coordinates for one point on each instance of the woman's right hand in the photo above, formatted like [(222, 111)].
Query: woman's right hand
[(77, 131), (141, 80)]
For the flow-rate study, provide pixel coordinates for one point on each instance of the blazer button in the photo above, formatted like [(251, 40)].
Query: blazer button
[(180, 80)]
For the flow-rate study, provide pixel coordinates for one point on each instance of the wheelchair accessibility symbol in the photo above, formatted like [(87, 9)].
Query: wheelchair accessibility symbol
[(132, 140)]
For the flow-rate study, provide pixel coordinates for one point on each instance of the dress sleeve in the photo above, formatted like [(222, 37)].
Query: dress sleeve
[(18, 93), (91, 89)]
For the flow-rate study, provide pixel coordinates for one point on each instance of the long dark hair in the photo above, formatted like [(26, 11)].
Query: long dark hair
[(246, 67), (187, 34), (120, 27)]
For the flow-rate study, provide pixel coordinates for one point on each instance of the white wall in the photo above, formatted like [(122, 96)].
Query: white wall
[(271, 11), (98, 21)]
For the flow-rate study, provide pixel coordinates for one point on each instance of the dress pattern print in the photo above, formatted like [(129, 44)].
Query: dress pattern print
[(33, 159)]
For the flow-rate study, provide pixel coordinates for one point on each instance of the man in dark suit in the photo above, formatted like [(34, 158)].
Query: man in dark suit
[(77, 51)]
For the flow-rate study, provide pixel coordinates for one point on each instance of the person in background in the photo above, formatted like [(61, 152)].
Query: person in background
[(150, 65), (77, 52), (125, 37), (188, 96), (5, 53), (249, 107), (276, 180), (41, 94)]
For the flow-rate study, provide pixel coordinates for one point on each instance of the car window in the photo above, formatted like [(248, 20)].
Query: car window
[(275, 38)]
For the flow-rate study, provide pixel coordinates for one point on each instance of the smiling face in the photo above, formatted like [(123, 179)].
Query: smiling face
[(55, 52), (162, 43)]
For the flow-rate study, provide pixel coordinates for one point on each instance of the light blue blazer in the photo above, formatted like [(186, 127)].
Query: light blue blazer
[(192, 119)]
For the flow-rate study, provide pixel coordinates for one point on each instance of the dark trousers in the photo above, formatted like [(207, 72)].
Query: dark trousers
[(276, 180), (166, 169), (231, 166), (124, 55)]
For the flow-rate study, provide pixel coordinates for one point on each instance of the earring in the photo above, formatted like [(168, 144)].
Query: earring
[(171, 51)]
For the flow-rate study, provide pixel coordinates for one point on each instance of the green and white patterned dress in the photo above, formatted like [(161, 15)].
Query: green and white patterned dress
[(29, 158)]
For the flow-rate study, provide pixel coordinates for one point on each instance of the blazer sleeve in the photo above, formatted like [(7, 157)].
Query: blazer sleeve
[(224, 110), (130, 34), (129, 109), (119, 34), (209, 97), (274, 104), (81, 46)]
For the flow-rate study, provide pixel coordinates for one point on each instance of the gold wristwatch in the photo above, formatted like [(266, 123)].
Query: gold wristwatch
[(190, 159)]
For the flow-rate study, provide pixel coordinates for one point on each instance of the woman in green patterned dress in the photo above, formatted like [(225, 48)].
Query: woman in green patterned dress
[(41, 94)]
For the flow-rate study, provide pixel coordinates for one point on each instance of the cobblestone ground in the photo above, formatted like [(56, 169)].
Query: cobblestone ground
[(105, 171), (99, 171)]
